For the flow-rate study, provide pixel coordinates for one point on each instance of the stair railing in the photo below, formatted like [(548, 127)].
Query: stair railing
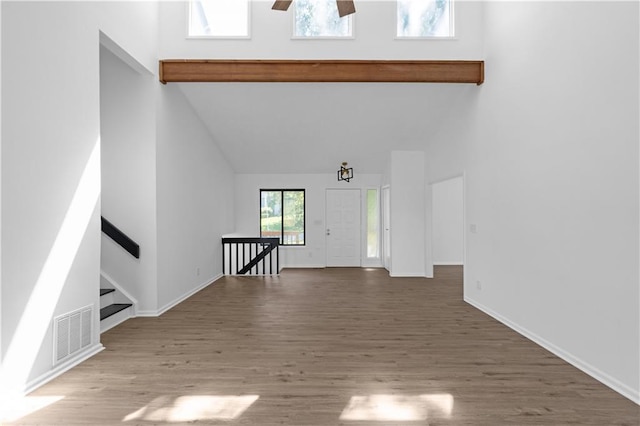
[(249, 255), (120, 238)]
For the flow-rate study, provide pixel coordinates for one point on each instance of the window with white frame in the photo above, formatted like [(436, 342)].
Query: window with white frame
[(319, 18), (219, 18), (424, 18)]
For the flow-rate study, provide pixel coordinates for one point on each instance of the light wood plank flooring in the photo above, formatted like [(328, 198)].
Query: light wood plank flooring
[(327, 347)]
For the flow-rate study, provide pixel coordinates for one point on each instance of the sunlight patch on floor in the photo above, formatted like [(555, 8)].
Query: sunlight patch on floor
[(398, 407), (17, 408), (193, 408)]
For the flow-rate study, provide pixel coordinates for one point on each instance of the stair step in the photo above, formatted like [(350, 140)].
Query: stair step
[(107, 311), (104, 291)]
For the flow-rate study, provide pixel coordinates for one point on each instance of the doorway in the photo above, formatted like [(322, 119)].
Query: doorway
[(343, 227), (448, 221), (386, 228)]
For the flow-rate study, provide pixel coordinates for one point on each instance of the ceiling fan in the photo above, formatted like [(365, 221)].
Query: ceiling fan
[(345, 7)]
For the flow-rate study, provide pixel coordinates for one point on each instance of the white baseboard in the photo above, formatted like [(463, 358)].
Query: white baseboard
[(307, 266), (422, 274), (63, 368), (140, 314), (445, 263), (179, 299), (187, 295), (604, 378)]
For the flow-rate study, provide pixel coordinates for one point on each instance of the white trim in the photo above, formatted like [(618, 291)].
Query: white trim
[(447, 263), (218, 38), (386, 245), (179, 299), (304, 266), (63, 368), (604, 378), (311, 38), (408, 275), (118, 287), (407, 38), (148, 314), (187, 295)]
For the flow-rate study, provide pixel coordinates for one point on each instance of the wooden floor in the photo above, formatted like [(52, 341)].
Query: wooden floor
[(327, 347)]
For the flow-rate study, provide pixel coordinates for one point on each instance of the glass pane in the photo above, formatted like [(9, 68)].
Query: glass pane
[(219, 18), (319, 18), (271, 214), (424, 18), (293, 217), (373, 223)]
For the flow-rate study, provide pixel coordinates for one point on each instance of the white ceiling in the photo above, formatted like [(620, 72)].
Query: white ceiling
[(313, 127)]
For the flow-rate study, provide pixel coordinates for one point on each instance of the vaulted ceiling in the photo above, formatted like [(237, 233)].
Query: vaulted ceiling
[(313, 127)]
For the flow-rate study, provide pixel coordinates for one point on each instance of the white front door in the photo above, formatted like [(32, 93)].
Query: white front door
[(343, 227)]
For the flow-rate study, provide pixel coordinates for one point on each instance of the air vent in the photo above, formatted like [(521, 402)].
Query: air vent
[(71, 333)]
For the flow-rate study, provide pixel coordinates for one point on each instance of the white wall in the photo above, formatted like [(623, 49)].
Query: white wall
[(447, 222), (195, 200), (407, 178), (374, 26), (313, 254), (1, 351), (549, 147), (129, 175), (50, 153)]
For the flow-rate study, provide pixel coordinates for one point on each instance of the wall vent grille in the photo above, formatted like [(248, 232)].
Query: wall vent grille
[(72, 332)]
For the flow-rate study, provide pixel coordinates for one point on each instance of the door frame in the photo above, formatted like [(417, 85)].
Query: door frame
[(359, 228), (385, 216)]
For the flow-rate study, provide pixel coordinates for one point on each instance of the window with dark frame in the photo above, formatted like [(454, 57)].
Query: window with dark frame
[(282, 215)]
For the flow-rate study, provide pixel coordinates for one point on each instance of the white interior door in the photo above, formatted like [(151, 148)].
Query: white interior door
[(343, 227), (386, 228)]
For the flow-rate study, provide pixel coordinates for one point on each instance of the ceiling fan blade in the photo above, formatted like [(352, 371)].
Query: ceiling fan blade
[(345, 7), (281, 4)]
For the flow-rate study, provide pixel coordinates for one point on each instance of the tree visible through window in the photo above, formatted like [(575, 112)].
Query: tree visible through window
[(319, 18), (282, 215), (424, 18)]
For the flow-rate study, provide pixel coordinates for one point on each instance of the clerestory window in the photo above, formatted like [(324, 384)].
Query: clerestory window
[(424, 18), (219, 18), (319, 18)]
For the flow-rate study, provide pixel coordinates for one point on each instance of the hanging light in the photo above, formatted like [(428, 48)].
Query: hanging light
[(345, 173)]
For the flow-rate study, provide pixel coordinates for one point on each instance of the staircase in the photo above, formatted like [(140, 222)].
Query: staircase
[(250, 255), (114, 307)]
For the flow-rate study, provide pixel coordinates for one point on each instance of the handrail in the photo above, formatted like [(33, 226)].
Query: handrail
[(255, 249), (121, 238)]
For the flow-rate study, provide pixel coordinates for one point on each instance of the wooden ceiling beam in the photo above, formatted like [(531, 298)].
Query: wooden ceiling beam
[(310, 71)]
